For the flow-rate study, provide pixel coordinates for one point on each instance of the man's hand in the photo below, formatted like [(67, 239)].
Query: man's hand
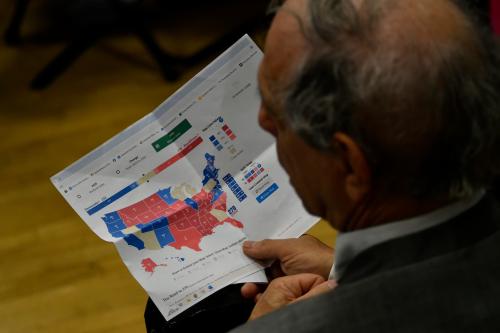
[(291, 256), (289, 289)]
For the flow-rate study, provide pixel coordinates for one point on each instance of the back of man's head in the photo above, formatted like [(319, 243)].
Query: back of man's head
[(415, 82)]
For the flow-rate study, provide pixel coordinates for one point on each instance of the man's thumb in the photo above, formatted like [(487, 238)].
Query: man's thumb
[(266, 249)]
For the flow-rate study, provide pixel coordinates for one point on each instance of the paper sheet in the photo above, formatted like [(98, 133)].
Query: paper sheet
[(179, 191)]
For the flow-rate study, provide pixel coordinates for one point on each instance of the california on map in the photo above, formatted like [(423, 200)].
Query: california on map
[(175, 216)]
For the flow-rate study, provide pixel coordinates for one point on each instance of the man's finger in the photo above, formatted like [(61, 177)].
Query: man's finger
[(284, 291), (249, 290), (319, 289), (267, 249)]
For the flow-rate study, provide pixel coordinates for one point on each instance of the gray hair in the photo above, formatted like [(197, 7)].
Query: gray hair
[(424, 108)]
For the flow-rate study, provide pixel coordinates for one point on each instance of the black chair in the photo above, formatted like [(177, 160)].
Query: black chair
[(129, 15)]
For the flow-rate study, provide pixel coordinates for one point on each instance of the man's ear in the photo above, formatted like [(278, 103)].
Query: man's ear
[(358, 177)]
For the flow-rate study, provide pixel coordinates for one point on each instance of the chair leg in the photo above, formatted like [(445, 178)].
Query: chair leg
[(164, 61), (63, 60), (130, 13), (12, 33)]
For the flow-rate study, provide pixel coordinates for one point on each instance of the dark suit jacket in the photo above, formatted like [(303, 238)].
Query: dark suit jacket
[(443, 279)]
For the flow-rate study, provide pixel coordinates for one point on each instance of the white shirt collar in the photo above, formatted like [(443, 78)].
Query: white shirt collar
[(350, 244)]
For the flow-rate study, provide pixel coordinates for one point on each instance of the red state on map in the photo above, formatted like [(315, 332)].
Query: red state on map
[(188, 221), (149, 265)]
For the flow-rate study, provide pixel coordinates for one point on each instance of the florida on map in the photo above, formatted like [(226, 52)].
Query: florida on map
[(176, 216)]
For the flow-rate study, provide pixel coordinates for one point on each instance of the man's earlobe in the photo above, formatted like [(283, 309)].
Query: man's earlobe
[(358, 173)]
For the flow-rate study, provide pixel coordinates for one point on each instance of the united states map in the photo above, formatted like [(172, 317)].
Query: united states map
[(177, 216)]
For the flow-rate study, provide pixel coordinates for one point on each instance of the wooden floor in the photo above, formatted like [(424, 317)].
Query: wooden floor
[(55, 274)]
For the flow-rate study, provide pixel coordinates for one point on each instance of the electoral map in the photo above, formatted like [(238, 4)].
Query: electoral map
[(174, 216)]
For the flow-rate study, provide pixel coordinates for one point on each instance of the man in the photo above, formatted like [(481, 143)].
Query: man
[(395, 106)]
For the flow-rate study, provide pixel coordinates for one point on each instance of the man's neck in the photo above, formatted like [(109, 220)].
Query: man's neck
[(374, 210)]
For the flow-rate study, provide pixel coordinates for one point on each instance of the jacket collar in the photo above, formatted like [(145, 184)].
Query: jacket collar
[(462, 231)]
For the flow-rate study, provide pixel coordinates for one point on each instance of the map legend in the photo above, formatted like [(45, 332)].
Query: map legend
[(253, 173), (234, 187), (259, 182), (228, 132), (222, 137), (215, 142)]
